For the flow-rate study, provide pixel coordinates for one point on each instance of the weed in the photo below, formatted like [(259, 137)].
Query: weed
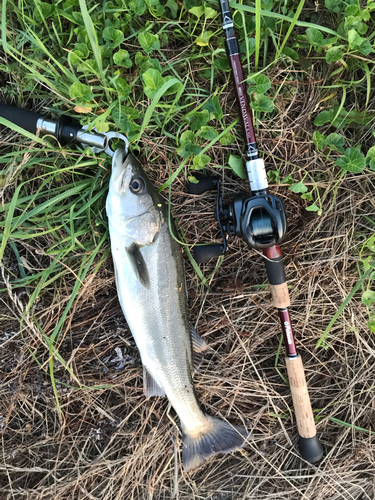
[(156, 70)]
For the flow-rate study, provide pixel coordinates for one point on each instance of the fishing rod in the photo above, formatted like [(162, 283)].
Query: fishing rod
[(260, 220)]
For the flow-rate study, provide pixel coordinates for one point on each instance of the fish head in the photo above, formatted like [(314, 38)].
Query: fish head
[(131, 191), (133, 205)]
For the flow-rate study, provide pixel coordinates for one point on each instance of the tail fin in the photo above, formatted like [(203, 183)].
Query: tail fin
[(222, 437)]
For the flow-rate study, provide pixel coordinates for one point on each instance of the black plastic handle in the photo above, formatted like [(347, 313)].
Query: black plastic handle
[(21, 117), (205, 183), (203, 253), (311, 449)]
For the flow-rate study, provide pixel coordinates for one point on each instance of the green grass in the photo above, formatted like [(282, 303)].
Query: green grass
[(169, 91)]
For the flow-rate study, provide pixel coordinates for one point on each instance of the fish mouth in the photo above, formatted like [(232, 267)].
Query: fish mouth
[(121, 171)]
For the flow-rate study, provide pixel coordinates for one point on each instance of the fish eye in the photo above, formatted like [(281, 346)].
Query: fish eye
[(137, 185)]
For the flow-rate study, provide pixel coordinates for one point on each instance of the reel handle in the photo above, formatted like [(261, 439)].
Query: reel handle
[(204, 252), (204, 184)]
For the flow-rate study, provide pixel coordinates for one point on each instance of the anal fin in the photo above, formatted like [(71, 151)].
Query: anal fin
[(199, 348), (150, 387)]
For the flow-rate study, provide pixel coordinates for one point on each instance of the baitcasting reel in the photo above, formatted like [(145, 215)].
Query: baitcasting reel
[(260, 220)]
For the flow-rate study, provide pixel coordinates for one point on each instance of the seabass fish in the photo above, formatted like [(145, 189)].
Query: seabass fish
[(151, 287)]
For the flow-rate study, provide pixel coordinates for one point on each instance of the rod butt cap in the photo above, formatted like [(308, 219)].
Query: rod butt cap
[(310, 448)]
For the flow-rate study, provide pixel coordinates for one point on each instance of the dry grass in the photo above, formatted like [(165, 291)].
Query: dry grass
[(111, 444)]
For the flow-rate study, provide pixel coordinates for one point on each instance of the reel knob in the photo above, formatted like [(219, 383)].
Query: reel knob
[(204, 184), (203, 252)]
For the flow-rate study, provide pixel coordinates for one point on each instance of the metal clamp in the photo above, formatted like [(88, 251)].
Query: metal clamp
[(107, 147)]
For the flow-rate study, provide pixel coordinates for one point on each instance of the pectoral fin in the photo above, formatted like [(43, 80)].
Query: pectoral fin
[(138, 264)]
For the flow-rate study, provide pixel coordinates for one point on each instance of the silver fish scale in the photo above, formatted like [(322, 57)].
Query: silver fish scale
[(157, 318)]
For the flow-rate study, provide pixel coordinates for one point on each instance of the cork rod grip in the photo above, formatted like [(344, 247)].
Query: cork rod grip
[(280, 296), (310, 447)]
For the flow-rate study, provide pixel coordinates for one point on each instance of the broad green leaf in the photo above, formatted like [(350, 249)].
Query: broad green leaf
[(43, 10), (354, 39), (371, 324), (250, 46), (355, 23), (259, 84), (187, 137), (140, 58), (153, 82), (102, 127), (192, 179), (88, 67), (187, 145), (78, 18), (236, 164), (174, 88), (222, 64), (173, 7), (262, 103), (138, 6), (334, 54), (368, 297), (288, 179), (80, 92), (198, 119), (335, 5), (148, 41), (209, 13), (352, 10), (188, 149), (324, 117), (123, 88), (291, 53), (76, 57), (122, 116), (312, 208), (335, 141), (298, 187), (200, 161), (122, 58), (319, 140), (132, 113), (203, 39), (208, 133), (273, 176), (227, 139), (365, 48), (307, 196), (356, 42), (145, 62), (371, 243), (315, 37), (213, 106), (113, 37), (267, 4), (352, 161), (156, 7), (82, 47), (189, 4), (197, 11), (370, 158), (106, 51)]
